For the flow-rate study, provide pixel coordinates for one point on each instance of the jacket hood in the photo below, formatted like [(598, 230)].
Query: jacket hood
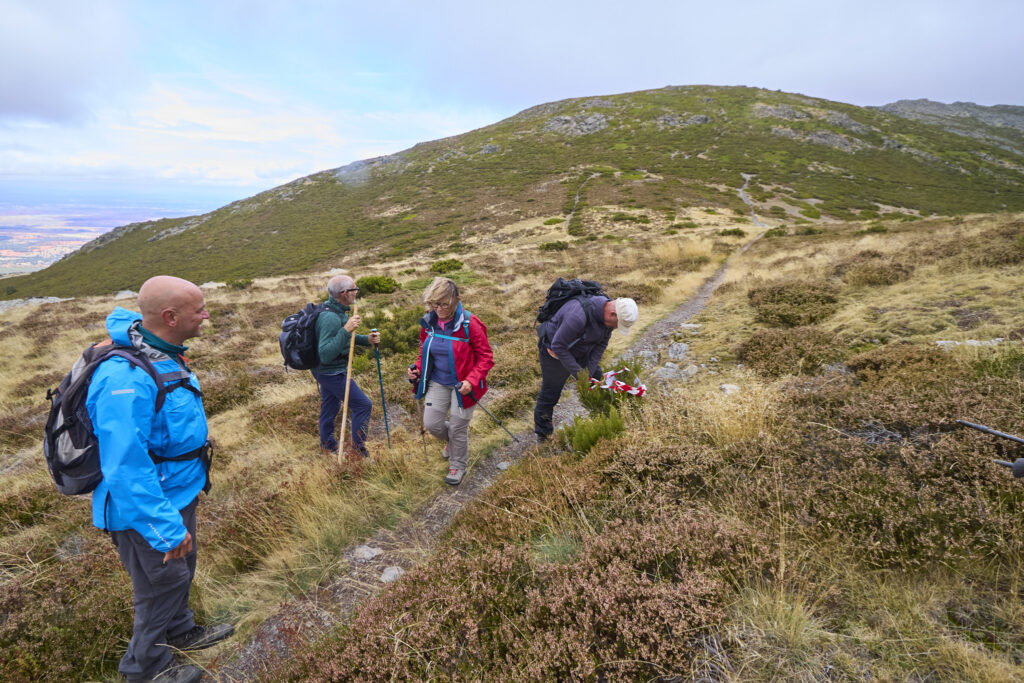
[(118, 324)]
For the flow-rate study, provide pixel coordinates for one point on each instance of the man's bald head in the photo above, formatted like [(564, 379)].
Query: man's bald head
[(172, 308)]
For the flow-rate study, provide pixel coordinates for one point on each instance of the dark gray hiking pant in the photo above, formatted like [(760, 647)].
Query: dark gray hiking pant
[(160, 596)]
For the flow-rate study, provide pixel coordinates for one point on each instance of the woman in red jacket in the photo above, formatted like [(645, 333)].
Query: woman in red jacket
[(451, 370)]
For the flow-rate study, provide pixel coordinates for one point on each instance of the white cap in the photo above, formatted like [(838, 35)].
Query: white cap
[(627, 313)]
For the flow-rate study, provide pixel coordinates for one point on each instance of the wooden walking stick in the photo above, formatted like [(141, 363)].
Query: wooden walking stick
[(348, 382)]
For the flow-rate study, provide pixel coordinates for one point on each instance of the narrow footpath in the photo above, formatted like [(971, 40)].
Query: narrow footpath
[(391, 552)]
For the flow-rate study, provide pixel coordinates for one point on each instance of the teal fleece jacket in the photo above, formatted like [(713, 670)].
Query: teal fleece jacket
[(333, 339)]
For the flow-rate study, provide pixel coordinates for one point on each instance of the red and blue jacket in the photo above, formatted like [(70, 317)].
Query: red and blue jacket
[(471, 353)]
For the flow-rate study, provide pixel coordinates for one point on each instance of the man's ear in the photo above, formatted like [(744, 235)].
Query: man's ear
[(169, 316)]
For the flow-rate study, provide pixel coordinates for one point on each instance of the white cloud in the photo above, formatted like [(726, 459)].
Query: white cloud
[(58, 57)]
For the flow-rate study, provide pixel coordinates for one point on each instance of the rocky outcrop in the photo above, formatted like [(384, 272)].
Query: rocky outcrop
[(359, 171), (838, 141), (581, 124), (778, 111), (672, 121)]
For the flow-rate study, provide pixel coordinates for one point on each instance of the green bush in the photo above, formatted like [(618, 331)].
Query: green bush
[(810, 212), (794, 304), (776, 232), (810, 230), (554, 221), (581, 435), (558, 245), (446, 265), (241, 283), (377, 284), (733, 232), (602, 401)]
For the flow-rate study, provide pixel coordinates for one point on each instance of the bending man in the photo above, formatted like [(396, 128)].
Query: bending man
[(574, 339)]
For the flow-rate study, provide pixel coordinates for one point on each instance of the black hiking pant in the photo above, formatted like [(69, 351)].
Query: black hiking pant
[(160, 597), (553, 376)]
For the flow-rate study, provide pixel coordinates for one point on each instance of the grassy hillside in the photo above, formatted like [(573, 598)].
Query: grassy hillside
[(659, 152), (828, 520)]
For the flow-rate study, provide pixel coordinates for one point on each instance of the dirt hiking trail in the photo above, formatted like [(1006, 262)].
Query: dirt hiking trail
[(299, 622)]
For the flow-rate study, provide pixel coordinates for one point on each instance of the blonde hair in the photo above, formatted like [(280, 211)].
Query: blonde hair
[(441, 291)]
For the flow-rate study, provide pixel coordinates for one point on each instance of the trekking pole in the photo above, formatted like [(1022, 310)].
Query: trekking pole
[(419, 415), (492, 417), (1017, 466), (348, 383), (380, 380)]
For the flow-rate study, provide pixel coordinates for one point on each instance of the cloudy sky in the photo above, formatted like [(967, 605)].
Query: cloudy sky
[(180, 107)]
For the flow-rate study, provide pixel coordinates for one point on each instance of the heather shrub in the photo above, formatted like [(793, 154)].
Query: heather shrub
[(776, 232), (554, 221), (68, 623), (445, 266), (733, 232), (793, 351), (459, 615), (379, 284), (794, 304), (557, 245), (878, 274)]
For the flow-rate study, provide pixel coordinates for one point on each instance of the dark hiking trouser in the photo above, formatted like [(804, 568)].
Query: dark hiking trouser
[(160, 596), (552, 380), (332, 394)]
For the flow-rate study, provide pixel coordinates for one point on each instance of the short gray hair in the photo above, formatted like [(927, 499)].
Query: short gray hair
[(337, 285)]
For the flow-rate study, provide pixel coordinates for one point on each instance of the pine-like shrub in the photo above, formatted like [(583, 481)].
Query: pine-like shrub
[(581, 435), (446, 265), (377, 284)]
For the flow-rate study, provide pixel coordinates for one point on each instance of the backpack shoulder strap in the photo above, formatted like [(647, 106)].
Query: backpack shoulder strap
[(166, 382)]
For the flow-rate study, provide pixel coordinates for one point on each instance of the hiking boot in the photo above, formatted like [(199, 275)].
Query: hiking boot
[(454, 476), (444, 453), (184, 673), (541, 438), (201, 637)]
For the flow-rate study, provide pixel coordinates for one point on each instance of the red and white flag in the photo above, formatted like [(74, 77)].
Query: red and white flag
[(609, 382)]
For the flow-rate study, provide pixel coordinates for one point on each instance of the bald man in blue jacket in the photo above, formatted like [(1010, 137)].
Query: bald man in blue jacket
[(154, 463)]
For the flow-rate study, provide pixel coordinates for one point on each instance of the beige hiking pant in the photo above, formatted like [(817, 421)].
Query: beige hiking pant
[(443, 418)]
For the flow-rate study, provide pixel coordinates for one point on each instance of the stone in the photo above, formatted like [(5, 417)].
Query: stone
[(669, 371), (648, 357), (391, 574), (504, 465), (712, 360), (126, 294), (364, 553), (729, 389), (678, 350), (213, 285), (690, 326), (689, 371)]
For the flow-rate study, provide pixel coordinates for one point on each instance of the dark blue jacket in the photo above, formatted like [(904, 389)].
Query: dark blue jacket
[(577, 339)]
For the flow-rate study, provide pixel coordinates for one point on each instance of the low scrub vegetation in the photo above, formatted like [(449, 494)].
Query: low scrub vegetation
[(793, 304), (823, 518)]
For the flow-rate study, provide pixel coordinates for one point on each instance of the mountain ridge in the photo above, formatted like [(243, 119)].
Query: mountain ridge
[(653, 149)]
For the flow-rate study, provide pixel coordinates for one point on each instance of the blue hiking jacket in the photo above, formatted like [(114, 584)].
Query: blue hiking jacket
[(136, 493)]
